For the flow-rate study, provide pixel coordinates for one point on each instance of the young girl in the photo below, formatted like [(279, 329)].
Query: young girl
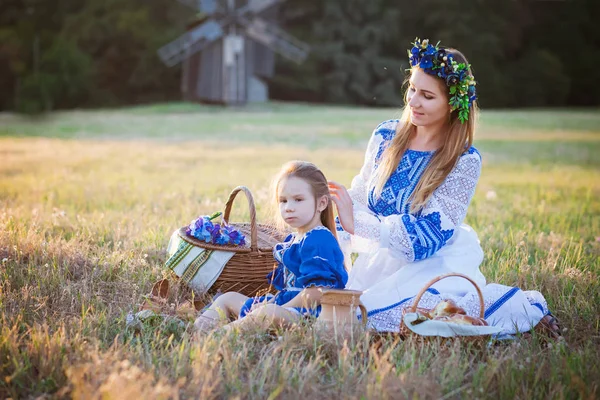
[(308, 259)]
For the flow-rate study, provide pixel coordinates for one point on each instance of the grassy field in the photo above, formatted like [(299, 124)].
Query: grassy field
[(88, 200)]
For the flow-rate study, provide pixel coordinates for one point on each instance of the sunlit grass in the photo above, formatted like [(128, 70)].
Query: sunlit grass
[(88, 201)]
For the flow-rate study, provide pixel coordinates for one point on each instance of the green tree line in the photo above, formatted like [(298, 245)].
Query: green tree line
[(95, 53)]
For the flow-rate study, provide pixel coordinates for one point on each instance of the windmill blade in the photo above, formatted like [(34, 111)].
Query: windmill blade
[(258, 6), (276, 39), (208, 7), (189, 43)]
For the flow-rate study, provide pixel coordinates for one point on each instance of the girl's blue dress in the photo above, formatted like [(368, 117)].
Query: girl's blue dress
[(312, 260)]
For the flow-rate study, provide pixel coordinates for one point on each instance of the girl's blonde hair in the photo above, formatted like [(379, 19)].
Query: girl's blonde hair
[(316, 179), (458, 139)]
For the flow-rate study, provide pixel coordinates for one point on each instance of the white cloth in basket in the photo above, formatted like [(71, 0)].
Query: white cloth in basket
[(199, 268), (446, 329)]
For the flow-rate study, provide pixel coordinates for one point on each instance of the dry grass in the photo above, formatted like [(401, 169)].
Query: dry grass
[(84, 225)]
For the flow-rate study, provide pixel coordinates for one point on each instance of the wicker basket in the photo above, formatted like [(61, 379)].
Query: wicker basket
[(406, 332), (247, 270)]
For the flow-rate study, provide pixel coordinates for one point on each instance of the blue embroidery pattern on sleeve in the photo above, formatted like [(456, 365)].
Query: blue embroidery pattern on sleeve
[(426, 234), (400, 185), (387, 130)]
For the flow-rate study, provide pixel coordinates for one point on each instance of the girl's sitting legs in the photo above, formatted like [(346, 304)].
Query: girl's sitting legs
[(266, 316), (226, 305)]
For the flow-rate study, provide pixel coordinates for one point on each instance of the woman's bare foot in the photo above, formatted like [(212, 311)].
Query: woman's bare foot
[(549, 326)]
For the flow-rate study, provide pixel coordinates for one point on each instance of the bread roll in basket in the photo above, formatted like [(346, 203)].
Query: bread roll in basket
[(446, 319)]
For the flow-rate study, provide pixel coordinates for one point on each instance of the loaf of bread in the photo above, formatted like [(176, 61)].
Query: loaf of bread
[(446, 307), (448, 311), (462, 319)]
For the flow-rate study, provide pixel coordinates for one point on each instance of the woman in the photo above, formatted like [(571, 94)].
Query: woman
[(404, 212)]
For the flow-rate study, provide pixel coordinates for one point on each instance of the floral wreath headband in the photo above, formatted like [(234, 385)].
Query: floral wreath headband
[(438, 62)]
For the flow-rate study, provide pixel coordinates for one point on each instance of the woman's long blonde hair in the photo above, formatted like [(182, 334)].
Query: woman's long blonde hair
[(458, 139), (312, 175)]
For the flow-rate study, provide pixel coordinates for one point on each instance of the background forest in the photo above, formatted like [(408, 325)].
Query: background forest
[(90, 53)]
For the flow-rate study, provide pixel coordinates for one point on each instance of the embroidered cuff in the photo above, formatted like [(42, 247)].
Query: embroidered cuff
[(384, 235)]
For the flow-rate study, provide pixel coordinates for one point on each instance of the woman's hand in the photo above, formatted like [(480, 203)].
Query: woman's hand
[(343, 203)]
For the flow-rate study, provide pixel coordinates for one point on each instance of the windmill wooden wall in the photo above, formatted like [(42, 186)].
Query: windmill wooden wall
[(203, 77), (204, 84)]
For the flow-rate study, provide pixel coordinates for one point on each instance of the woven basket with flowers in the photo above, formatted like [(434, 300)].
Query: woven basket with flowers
[(236, 264)]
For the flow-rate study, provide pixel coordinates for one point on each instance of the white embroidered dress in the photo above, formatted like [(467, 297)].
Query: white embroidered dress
[(398, 252)]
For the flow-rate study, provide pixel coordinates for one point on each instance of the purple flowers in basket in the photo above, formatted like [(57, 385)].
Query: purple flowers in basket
[(202, 228)]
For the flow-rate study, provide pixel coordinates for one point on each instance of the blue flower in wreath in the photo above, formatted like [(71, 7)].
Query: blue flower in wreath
[(452, 79), (430, 50), (444, 71), (440, 55), (426, 63), (414, 60)]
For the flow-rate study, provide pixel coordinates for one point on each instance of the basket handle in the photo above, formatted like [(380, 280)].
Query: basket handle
[(251, 207), (439, 278)]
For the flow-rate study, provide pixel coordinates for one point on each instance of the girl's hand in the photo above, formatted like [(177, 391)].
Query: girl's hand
[(256, 306), (343, 203), (307, 298)]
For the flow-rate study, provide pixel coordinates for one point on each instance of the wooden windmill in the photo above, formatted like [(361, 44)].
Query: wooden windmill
[(228, 54)]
